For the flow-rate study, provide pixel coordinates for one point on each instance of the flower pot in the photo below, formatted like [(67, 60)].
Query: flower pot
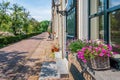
[(100, 63)]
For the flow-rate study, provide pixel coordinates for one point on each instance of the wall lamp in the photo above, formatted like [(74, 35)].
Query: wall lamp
[(57, 4)]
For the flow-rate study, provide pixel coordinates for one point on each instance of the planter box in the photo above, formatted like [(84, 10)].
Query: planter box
[(100, 63)]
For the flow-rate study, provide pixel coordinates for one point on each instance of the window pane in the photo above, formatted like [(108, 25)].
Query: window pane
[(71, 23), (96, 6), (70, 4), (114, 3), (97, 29), (115, 30)]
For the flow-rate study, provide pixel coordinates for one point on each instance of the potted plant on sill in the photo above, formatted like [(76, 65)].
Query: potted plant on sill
[(97, 53), (56, 51)]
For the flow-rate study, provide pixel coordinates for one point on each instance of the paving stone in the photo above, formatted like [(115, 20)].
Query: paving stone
[(49, 70), (14, 57), (22, 60)]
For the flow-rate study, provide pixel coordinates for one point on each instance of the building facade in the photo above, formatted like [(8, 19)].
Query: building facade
[(59, 22), (87, 19)]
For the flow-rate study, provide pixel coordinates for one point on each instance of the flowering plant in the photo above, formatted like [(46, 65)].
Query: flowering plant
[(54, 49), (94, 49), (76, 45)]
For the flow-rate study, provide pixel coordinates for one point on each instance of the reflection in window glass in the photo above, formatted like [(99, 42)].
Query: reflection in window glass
[(71, 23), (70, 4), (115, 30), (97, 25), (114, 3), (66, 1), (96, 6)]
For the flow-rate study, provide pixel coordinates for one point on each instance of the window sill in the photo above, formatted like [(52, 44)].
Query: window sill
[(110, 74)]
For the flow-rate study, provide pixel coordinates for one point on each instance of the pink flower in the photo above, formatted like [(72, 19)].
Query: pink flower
[(90, 47), (108, 55), (104, 51), (101, 54), (80, 53), (84, 60), (115, 53), (109, 47), (82, 57), (83, 49), (97, 49), (101, 45)]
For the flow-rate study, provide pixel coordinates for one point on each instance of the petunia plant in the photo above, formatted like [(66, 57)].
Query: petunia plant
[(76, 45), (94, 49)]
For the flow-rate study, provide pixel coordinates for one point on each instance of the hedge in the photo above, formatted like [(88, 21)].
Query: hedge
[(4, 41)]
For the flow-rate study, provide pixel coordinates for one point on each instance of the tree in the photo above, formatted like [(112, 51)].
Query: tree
[(17, 20), (26, 20), (44, 25), (4, 16)]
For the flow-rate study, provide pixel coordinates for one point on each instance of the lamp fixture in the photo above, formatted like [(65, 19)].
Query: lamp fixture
[(57, 4)]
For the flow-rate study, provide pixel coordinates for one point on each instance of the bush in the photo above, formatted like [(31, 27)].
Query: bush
[(4, 41)]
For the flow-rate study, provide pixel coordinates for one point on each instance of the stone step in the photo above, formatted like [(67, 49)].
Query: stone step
[(62, 65), (58, 79), (58, 55), (48, 71)]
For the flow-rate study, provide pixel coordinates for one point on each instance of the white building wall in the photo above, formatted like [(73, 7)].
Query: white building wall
[(64, 29), (83, 19)]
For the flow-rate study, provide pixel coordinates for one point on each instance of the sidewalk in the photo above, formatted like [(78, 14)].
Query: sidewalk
[(41, 54), (22, 60)]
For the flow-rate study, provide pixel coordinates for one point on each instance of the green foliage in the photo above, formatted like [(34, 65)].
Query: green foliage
[(49, 30), (16, 19), (44, 25), (12, 39), (76, 45)]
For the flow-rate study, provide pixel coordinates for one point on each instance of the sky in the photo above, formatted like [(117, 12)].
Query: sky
[(39, 9)]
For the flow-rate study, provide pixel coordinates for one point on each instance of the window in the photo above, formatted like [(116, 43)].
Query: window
[(113, 3), (104, 21), (66, 1), (115, 30), (71, 23), (96, 6), (71, 19), (70, 4), (97, 25)]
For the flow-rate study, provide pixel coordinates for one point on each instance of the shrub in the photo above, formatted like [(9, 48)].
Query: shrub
[(12, 39)]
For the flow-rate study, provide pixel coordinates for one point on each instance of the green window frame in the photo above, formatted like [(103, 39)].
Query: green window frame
[(106, 11), (69, 12)]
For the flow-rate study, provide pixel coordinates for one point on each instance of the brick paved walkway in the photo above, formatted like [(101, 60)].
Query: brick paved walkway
[(21, 61)]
